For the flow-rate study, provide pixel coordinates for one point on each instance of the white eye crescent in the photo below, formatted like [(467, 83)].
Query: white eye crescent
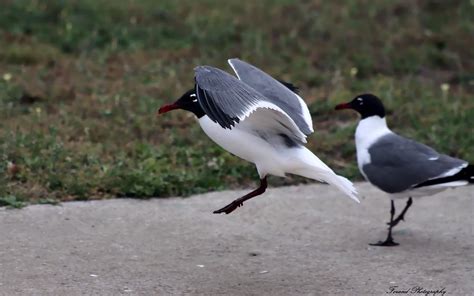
[(192, 95)]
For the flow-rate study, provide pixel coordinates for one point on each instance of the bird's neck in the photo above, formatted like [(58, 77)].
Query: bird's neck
[(199, 113), (196, 109), (369, 130)]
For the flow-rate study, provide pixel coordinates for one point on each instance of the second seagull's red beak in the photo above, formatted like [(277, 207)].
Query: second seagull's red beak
[(167, 108), (343, 106)]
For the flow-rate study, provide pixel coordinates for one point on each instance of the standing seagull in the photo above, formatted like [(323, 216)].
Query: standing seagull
[(259, 119), (400, 166)]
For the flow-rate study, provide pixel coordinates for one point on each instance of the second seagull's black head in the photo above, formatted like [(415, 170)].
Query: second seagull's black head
[(366, 104), (188, 101)]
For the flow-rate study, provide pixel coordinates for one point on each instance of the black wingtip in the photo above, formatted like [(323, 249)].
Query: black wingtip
[(290, 86), (469, 170), (466, 174)]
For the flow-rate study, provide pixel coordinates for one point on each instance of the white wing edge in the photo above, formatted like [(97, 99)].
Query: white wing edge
[(304, 107), (267, 105), (229, 61), (306, 114), (451, 172)]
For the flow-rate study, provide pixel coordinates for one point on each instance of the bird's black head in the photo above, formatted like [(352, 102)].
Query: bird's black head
[(366, 104), (188, 101)]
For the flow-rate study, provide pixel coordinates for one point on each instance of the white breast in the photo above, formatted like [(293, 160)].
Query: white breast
[(246, 145), (368, 131)]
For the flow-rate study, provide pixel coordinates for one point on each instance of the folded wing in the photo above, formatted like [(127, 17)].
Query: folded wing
[(397, 164)]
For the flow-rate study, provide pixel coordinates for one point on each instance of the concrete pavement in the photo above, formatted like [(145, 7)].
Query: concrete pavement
[(301, 240)]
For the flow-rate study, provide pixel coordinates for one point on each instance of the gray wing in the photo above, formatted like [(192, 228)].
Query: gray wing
[(276, 92), (397, 164), (227, 101)]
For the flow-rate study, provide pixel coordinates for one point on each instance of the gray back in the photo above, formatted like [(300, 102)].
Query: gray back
[(398, 163)]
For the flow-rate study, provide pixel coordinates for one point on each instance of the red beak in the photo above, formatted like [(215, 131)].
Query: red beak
[(167, 108), (343, 106)]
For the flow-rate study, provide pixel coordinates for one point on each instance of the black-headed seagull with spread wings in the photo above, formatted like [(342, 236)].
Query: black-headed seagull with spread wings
[(259, 119)]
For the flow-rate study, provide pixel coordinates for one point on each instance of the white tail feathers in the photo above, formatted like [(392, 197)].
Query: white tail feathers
[(314, 168), (345, 186)]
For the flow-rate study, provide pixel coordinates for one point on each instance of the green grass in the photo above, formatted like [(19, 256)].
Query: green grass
[(80, 82)]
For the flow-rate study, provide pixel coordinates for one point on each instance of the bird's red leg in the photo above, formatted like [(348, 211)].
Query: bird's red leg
[(240, 201)]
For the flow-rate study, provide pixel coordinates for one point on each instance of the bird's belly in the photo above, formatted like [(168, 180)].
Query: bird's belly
[(245, 145), (363, 158)]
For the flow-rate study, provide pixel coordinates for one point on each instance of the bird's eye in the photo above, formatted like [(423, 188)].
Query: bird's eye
[(192, 95)]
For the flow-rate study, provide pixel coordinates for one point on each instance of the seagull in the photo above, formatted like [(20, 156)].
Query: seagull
[(258, 119), (401, 167)]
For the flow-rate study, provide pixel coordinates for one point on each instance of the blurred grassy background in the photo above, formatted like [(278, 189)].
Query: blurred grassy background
[(80, 82)]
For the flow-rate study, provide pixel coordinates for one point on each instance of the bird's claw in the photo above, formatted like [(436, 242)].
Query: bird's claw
[(229, 208), (386, 243)]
